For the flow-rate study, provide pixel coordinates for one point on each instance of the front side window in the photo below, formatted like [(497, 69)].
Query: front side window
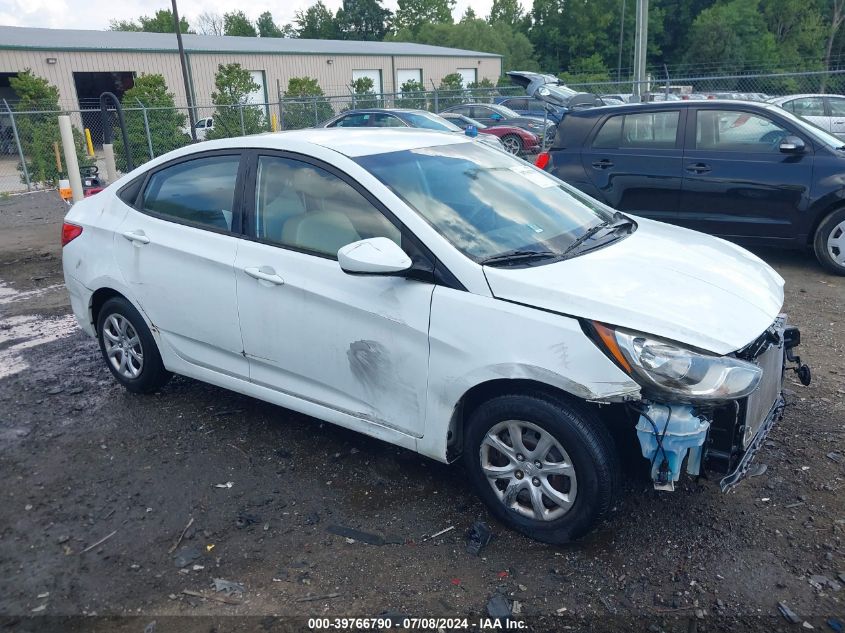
[(735, 131), (646, 130), (199, 191), (305, 207), (486, 202)]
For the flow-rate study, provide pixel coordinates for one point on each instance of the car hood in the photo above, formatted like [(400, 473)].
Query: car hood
[(556, 94), (661, 280)]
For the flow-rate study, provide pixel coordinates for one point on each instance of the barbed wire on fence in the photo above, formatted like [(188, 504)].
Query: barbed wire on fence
[(153, 131)]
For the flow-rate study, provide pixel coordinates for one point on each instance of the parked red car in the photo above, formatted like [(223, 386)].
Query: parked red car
[(516, 140)]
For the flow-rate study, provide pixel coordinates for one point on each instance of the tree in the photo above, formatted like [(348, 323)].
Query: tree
[(451, 90), (478, 35), (507, 11), (413, 14), (481, 90), (837, 16), (469, 15), (267, 27), (317, 22), (304, 104), (412, 95), (233, 115), (732, 37), (236, 23), (363, 94), (161, 22), (210, 23), (166, 123), (39, 132), (585, 71), (363, 20)]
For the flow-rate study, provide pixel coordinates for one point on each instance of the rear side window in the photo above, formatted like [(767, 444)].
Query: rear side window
[(646, 130), (806, 106), (200, 191), (129, 193)]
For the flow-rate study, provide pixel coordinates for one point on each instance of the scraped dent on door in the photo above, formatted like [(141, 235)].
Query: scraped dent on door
[(373, 367)]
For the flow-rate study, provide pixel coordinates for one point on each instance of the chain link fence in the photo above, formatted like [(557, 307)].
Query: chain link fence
[(31, 155)]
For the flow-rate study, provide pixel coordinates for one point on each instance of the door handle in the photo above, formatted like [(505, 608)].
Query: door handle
[(257, 273), (698, 168), (602, 164), (136, 237), (839, 122)]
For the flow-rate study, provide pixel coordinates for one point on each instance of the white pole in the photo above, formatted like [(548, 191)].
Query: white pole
[(72, 163), (108, 154), (640, 48)]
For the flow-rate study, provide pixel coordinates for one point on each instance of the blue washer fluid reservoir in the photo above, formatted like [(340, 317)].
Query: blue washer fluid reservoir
[(685, 433)]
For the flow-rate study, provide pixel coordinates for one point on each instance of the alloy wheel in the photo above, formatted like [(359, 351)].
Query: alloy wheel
[(123, 346), (512, 145), (529, 470)]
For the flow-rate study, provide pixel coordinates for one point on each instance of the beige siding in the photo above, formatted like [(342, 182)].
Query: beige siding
[(333, 77), (60, 74)]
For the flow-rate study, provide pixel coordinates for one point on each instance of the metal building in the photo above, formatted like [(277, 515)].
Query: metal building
[(83, 64)]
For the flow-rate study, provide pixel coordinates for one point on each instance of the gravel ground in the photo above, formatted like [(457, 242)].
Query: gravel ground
[(100, 484)]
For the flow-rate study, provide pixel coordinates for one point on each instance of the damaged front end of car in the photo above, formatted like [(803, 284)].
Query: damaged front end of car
[(703, 412)]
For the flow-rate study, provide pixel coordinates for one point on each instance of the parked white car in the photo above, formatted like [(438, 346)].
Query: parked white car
[(825, 111), (443, 296)]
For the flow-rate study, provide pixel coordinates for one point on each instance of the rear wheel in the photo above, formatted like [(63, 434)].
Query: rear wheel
[(544, 466), (129, 348), (512, 143), (829, 242)]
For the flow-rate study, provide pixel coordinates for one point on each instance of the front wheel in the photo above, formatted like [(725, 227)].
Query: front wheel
[(829, 242), (129, 348), (513, 145), (544, 466)]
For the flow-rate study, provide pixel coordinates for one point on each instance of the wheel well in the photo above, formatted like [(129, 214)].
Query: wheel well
[(811, 235), (98, 299), (484, 391)]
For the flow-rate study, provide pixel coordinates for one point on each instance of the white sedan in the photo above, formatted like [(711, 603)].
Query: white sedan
[(441, 296), (824, 110)]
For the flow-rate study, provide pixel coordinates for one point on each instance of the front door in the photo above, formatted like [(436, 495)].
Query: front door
[(836, 110), (176, 250), (634, 160), (737, 182), (355, 343)]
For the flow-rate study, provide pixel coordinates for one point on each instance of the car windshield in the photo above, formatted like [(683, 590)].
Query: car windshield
[(485, 202), (810, 128), (430, 122)]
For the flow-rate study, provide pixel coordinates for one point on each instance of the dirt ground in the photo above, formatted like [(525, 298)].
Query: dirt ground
[(99, 484)]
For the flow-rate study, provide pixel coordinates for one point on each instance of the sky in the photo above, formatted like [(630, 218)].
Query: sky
[(96, 14)]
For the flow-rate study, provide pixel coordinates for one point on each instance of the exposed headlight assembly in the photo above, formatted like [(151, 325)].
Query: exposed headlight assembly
[(668, 370)]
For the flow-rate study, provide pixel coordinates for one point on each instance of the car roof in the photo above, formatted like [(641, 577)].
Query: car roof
[(663, 105), (801, 96), (386, 111), (347, 141)]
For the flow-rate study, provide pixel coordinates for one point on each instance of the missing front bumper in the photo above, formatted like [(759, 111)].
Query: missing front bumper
[(738, 473)]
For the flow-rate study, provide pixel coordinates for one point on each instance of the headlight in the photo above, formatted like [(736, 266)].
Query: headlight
[(670, 370)]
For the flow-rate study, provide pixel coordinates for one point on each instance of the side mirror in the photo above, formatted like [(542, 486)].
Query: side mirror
[(496, 116), (791, 145), (373, 256), (471, 130)]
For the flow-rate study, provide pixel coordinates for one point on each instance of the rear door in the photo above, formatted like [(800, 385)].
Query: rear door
[(810, 108), (176, 250), (634, 160), (836, 109), (737, 182)]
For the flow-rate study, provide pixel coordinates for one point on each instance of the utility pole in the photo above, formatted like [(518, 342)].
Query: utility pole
[(621, 41), (184, 71), (640, 47)]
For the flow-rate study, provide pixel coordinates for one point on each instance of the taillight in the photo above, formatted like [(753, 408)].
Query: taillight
[(70, 232), (542, 160)]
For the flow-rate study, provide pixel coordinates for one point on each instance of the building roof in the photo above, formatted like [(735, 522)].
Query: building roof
[(19, 37)]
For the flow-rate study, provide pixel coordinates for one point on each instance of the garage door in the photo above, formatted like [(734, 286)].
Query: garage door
[(259, 96), (470, 75), (375, 75), (407, 74)]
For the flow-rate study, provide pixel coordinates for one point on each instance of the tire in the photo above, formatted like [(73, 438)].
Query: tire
[(128, 348), (587, 493), (513, 144), (829, 242)]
